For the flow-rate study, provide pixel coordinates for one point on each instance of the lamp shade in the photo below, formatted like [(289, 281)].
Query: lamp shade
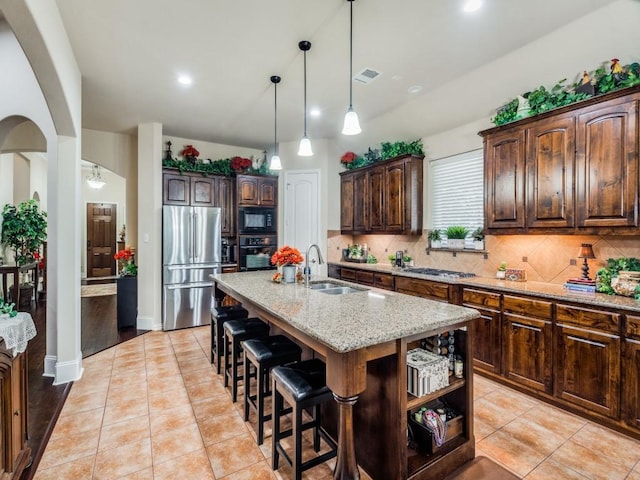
[(586, 251), (351, 123), (305, 147), (275, 163)]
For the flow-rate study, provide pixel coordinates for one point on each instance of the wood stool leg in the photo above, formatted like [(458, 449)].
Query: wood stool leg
[(247, 388), (316, 427), (296, 431), (226, 359), (260, 401), (275, 425), (234, 369)]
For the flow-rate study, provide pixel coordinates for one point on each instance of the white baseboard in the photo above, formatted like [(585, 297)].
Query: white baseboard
[(148, 323), (68, 371), (50, 366)]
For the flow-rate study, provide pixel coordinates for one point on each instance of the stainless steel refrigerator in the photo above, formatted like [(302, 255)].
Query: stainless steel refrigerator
[(191, 251)]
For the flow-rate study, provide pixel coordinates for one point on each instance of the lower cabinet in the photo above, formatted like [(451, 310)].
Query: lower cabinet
[(631, 373), (486, 347), (423, 288), (527, 333)]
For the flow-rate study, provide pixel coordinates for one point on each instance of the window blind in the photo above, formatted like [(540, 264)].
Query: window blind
[(457, 191)]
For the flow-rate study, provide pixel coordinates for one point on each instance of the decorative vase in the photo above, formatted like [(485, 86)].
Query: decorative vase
[(456, 243), (289, 273), (478, 244), (436, 244), (501, 274)]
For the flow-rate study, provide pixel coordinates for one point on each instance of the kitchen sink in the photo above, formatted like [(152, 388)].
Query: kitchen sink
[(324, 285), (341, 290)]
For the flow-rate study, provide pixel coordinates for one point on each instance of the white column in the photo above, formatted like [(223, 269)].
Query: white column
[(149, 253)]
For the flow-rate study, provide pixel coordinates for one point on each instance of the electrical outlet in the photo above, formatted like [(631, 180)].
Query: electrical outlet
[(386, 250), (573, 262), (525, 259)]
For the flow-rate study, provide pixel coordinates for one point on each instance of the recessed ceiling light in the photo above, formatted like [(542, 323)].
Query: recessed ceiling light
[(414, 89), (185, 80), (472, 5), (315, 112)]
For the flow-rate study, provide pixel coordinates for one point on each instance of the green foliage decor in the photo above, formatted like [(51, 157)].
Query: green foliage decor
[(542, 100), (7, 308), (435, 235), (24, 229), (613, 267), (458, 232), (212, 167), (386, 151), (478, 234)]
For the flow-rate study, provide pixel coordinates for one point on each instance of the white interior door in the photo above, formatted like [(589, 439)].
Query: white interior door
[(302, 212)]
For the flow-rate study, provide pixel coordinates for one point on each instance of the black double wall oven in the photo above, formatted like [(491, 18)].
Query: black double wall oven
[(257, 238)]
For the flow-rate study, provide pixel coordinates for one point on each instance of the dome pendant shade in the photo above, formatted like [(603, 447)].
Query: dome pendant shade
[(275, 163), (305, 147), (351, 123)]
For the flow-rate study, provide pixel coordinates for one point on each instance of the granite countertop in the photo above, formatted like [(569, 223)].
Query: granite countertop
[(350, 321), (536, 289)]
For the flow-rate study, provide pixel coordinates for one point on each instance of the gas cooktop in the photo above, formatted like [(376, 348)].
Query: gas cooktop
[(440, 273)]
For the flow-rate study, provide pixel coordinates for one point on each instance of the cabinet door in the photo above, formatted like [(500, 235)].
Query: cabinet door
[(361, 202), (176, 189), (631, 383), (607, 166), (346, 203), (486, 347), (394, 202), (224, 187), (504, 179), (588, 369), (268, 191), (550, 173), (203, 192), (423, 288), (247, 190), (377, 199)]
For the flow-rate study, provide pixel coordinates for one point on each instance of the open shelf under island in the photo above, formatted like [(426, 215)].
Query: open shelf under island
[(364, 337)]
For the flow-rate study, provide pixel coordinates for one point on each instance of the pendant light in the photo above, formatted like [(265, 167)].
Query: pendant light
[(275, 160), (351, 123), (95, 180), (305, 145)]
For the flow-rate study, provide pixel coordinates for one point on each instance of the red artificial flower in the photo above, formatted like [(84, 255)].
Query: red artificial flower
[(287, 256), (239, 163), (348, 157), (123, 255), (190, 151)]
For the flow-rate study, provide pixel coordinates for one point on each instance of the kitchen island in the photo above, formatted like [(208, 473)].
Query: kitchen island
[(364, 337)]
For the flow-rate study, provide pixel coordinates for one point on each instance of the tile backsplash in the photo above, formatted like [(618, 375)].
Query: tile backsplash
[(548, 257)]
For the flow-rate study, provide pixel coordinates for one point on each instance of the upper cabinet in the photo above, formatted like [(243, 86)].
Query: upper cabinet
[(383, 198), (257, 190), (571, 170)]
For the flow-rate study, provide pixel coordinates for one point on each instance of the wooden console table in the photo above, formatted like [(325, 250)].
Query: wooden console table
[(15, 271)]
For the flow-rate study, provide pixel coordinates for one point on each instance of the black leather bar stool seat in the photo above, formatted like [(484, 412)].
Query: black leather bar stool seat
[(264, 354), (219, 315), (302, 385), (236, 331)]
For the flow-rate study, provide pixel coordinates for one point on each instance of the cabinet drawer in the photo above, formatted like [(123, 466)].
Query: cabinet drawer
[(334, 271), (632, 328), (348, 274), (479, 298), (583, 317), (527, 307), (382, 280), (366, 278), (423, 288)]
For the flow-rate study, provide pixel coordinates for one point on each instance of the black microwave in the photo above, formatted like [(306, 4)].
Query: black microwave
[(256, 220)]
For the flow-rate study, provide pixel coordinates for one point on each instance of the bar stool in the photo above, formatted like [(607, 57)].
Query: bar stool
[(302, 385), (235, 331), (264, 354), (219, 315)]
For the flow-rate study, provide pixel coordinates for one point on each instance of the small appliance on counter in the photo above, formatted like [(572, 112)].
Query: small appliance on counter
[(229, 249)]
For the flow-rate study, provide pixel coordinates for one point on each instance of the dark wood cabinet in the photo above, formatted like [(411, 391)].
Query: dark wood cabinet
[(527, 332), (588, 359), (570, 170), (607, 157), (631, 372), (383, 198), (487, 351), (550, 173), (225, 200), (424, 288), (257, 190), (176, 189)]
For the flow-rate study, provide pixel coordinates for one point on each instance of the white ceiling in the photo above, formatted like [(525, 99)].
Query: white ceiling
[(130, 53)]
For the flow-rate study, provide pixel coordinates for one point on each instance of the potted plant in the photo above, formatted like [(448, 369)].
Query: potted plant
[(455, 236), (478, 238), (407, 261), (24, 229), (435, 238), (502, 270), (126, 288)]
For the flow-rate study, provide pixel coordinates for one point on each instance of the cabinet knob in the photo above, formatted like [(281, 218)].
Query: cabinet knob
[(17, 413)]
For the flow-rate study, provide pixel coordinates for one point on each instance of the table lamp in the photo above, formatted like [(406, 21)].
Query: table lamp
[(586, 251)]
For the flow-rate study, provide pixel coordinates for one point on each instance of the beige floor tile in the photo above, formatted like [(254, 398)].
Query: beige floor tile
[(207, 389), (193, 364), (517, 456), (212, 407), (81, 403), (194, 465), (221, 427), (486, 412), (89, 384), (162, 384), (121, 411), (175, 443), (70, 447), (128, 377), (612, 445), (125, 432), (233, 455), (162, 370), (195, 352), (163, 401), (126, 364), (482, 386), (144, 474), (257, 471), (555, 420), (80, 469), (507, 400), (80, 422), (205, 374), (635, 475), (536, 436), (550, 469), (126, 393), (123, 460), (589, 461), (481, 429), (172, 418)]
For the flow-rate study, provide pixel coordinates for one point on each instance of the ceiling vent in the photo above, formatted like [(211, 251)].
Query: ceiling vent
[(366, 76)]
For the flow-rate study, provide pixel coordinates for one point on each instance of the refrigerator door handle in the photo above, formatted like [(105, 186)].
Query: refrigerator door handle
[(198, 266), (195, 231), (189, 285)]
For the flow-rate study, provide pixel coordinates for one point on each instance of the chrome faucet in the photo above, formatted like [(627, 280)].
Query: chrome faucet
[(307, 269)]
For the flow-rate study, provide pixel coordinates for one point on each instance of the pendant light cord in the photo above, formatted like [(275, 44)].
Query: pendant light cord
[(275, 117), (351, 54), (305, 93)]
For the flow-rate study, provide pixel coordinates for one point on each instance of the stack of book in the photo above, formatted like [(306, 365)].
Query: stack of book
[(580, 285)]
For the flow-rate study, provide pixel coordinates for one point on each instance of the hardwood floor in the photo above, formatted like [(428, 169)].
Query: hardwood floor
[(99, 332)]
